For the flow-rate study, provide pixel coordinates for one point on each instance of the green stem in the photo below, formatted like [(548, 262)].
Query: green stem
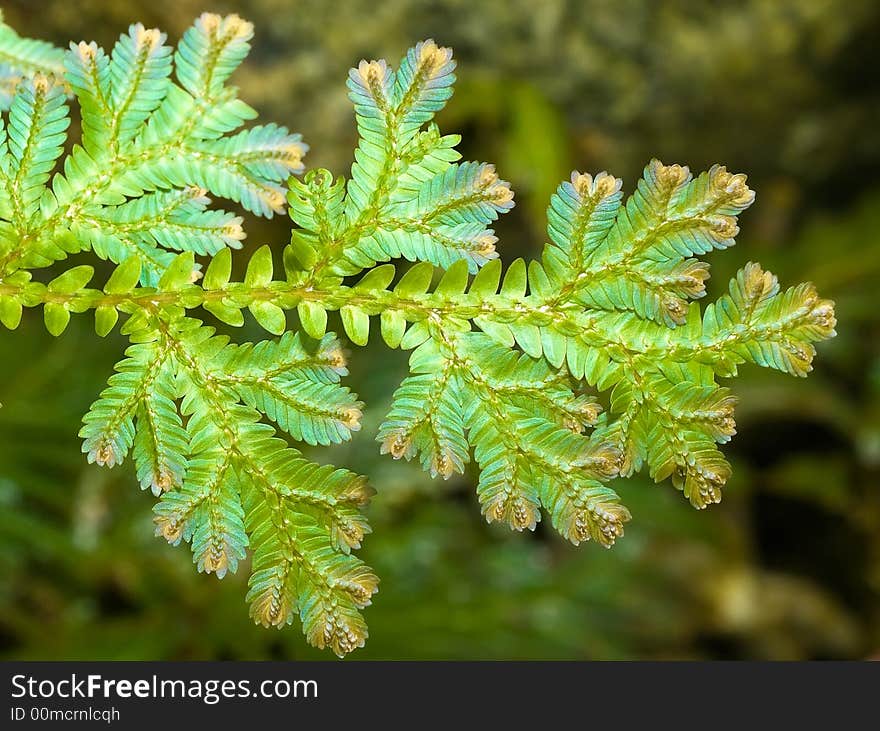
[(568, 319)]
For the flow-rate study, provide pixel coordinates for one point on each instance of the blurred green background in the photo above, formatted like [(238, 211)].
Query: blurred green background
[(787, 567)]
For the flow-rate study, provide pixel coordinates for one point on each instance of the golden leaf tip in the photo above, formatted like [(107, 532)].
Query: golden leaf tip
[(162, 482), (723, 227), (231, 27), (41, 83), (519, 513), (103, 454), (600, 187), (148, 38), (169, 529), (485, 244), (498, 191), (442, 465), (671, 175), (87, 51), (372, 74), (351, 417), (396, 444), (731, 185), (432, 57)]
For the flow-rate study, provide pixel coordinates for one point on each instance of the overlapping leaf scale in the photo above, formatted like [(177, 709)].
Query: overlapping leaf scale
[(426, 420), (303, 520), (390, 109), (332, 497), (206, 511), (322, 361), (671, 216), (108, 431), (426, 155), (370, 86), (267, 151), (210, 51), (580, 215), (527, 462), (315, 413), (138, 72), (192, 161), (464, 193), (234, 451), (138, 409), (316, 205), (422, 85), (690, 458), (87, 70), (333, 589), (671, 419), (528, 384), (588, 344), (161, 444), (406, 198)]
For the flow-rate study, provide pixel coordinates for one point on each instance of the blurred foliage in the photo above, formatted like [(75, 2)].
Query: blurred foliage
[(788, 566)]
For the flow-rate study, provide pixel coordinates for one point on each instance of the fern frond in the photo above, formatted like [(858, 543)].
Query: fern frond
[(426, 419), (422, 85), (160, 441), (151, 152), (206, 512), (406, 198), (642, 263), (296, 570), (759, 323), (210, 51), (176, 220), (247, 488), (138, 71), (525, 425), (142, 392), (556, 376), (296, 390), (34, 140)]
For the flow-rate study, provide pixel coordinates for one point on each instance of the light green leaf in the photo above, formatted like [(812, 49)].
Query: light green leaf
[(356, 323), (106, 317), (72, 280), (56, 317), (271, 317)]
